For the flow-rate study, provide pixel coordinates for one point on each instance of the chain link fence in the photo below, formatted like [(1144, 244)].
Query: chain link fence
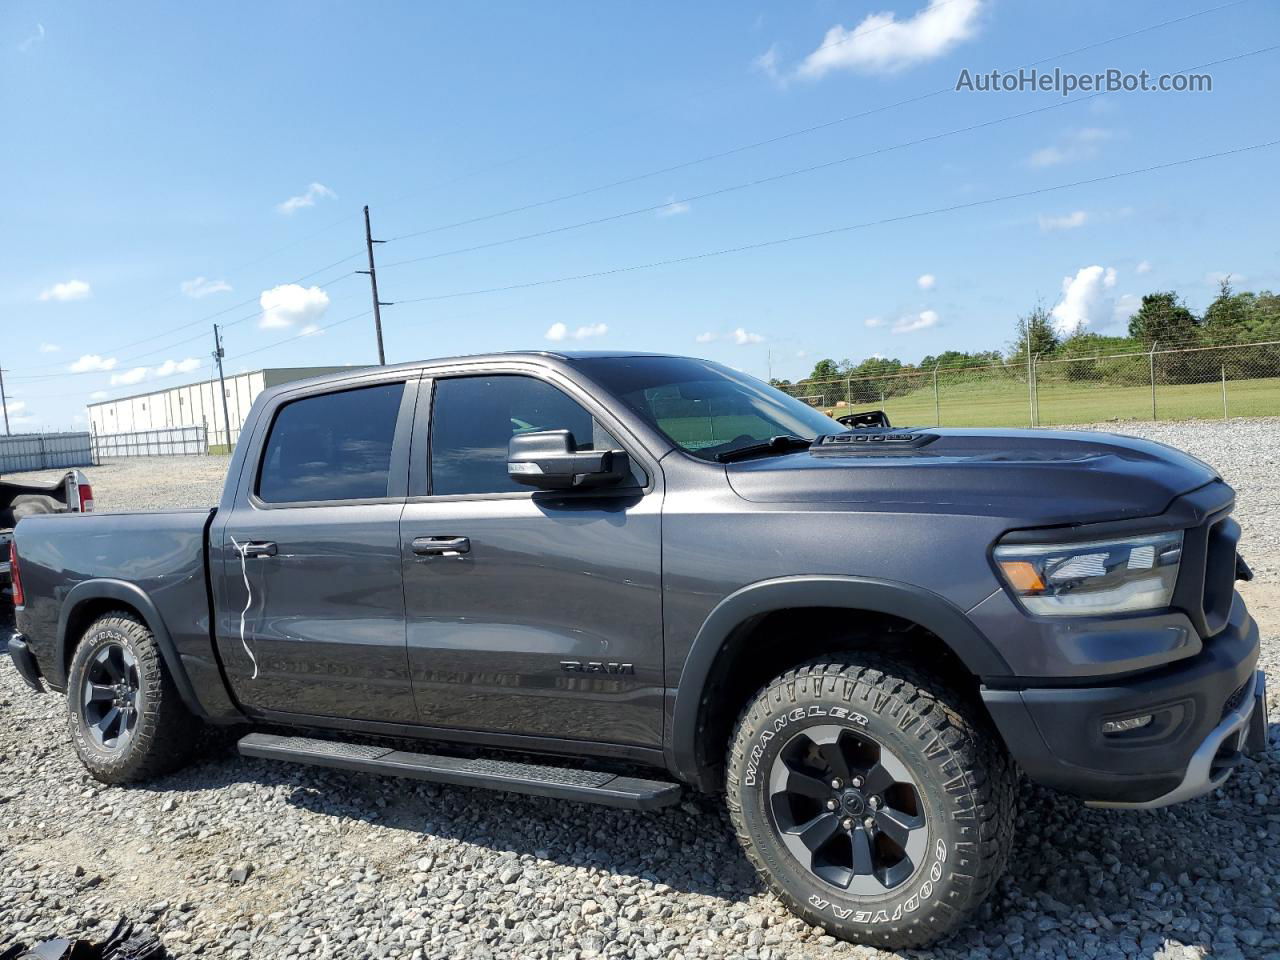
[(1236, 380)]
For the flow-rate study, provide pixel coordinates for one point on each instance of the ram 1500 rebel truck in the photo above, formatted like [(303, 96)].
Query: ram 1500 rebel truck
[(610, 578)]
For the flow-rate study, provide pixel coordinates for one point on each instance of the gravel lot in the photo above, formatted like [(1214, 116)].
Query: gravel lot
[(235, 858)]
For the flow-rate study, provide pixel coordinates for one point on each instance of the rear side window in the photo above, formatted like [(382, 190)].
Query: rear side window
[(335, 446)]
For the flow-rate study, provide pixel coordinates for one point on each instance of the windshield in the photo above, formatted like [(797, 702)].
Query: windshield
[(705, 408)]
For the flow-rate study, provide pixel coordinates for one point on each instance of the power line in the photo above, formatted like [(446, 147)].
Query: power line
[(514, 158), (794, 133), (842, 229), (773, 178), (299, 336)]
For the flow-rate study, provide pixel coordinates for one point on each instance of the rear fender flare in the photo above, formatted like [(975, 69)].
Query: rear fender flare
[(133, 596), (898, 599)]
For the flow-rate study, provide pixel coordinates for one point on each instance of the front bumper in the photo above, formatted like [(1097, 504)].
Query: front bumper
[(1206, 711), (25, 662)]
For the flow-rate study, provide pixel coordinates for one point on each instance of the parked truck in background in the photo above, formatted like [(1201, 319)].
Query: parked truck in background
[(611, 578), (71, 494)]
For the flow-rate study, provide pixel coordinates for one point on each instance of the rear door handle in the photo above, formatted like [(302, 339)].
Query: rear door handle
[(441, 546), (258, 548)]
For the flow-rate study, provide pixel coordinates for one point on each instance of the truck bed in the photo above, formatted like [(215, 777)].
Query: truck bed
[(162, 554)]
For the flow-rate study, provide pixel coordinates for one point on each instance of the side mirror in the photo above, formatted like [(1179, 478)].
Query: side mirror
[(546, 459)]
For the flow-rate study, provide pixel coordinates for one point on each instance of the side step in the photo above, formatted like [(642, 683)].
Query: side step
[(587, 786)]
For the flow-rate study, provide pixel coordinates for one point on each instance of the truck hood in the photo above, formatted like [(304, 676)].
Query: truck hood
[(1035, 476)]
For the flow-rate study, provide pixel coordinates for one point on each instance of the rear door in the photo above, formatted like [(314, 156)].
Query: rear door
[(310, 610), (529, 613)]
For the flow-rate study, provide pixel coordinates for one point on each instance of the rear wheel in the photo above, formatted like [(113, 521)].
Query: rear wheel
[(872, 800), (126, 720)]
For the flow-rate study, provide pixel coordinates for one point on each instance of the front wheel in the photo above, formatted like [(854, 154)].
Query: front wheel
[(872, 800), (127, 722)]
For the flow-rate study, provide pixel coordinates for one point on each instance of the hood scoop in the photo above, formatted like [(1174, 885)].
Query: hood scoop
[(876, 442)]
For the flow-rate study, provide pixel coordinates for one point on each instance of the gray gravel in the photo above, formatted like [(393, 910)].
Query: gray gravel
[(235, 858)]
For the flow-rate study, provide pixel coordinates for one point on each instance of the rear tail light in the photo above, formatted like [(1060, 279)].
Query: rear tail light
[(14, 576), (85, 493)]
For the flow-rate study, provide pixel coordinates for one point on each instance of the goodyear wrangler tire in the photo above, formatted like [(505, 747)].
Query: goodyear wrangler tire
[(873, 800), (127, 722)]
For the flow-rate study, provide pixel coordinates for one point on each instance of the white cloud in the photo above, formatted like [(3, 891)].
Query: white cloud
[(743, 337), (92, 363), (1125, 307), (16, 407), (31, 41), (70, 290), (202, 287), (129, 377), (558, 331), (920, 321), (874, 321), (1216, 277), (49, 348), (926, 281), (98, 395), (1068, 221), (707, 337), (591, 330), (767, 63), (1073, 146), (310, 330), (673, 208), (1143, 267), (289, 303), (170, 367), (1087, 299), (882, 44), (314, 192)]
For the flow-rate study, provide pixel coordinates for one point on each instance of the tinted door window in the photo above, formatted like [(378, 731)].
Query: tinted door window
[(475, 418), (336, 446)]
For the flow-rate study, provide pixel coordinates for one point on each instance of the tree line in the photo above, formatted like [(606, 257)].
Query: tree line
[(1163, 322)]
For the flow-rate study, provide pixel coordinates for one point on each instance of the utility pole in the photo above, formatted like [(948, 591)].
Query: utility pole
[(373, 283), (4, 402), (218, 354)]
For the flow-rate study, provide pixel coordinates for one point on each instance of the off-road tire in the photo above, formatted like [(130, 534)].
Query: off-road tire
[(963, 776), (164, 730)]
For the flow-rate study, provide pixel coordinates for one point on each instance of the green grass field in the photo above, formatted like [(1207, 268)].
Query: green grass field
[(1004, 403)]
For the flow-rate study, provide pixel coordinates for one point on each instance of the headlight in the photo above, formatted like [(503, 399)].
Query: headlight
[(1092, 579)]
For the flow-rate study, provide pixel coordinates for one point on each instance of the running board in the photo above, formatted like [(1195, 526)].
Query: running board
[(563, 783)]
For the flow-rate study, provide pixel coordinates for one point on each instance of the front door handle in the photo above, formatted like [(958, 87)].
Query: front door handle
[(258, 548), (441, 546)]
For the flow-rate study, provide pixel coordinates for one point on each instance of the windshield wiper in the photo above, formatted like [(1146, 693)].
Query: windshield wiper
[(777, 444)]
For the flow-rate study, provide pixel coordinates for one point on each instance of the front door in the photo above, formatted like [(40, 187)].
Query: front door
[(529, 613), (311, 611)]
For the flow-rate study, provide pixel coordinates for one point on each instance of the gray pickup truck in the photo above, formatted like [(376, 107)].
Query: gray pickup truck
[(610, 578)]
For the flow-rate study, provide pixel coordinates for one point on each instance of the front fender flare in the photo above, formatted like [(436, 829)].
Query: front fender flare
[(892, 597), (135, 597)]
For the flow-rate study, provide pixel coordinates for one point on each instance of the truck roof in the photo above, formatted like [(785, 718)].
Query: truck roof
[(564, 356)]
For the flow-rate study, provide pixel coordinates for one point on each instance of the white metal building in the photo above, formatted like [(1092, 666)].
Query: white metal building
[(194, 405)]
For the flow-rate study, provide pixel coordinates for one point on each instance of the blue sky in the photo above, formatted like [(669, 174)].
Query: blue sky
[(166, 162)]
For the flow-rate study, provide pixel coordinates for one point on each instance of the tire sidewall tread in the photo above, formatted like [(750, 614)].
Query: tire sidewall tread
[(965, 780), (165, 729)]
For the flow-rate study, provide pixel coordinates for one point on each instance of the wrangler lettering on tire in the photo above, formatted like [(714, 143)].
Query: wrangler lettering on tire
[(871, 798)]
